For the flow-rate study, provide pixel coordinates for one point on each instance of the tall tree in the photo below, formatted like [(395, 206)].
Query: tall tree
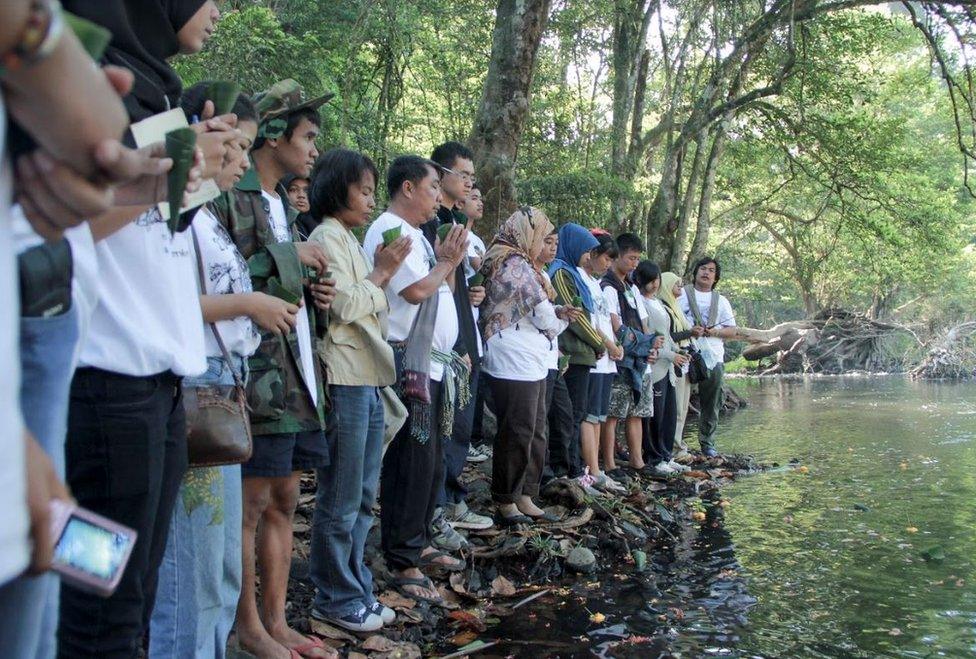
[(500, 120)]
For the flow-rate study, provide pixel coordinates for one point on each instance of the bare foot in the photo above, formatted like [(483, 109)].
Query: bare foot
[(527, 506), (305, 646), (259, 643), (419, 591)]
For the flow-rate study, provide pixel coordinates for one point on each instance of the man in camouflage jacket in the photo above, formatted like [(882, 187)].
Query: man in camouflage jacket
[(285, 388)]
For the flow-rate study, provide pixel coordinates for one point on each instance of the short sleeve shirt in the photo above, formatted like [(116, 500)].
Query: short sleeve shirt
[(415, 267)]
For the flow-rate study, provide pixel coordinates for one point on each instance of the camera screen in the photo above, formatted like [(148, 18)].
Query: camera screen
[(90, 548)]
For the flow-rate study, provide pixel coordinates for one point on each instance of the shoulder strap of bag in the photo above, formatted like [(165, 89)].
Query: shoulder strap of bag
[(713, 312), (213, 327), (693, 304)]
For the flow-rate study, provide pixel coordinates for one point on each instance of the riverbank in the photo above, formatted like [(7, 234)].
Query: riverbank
[(597, 540)]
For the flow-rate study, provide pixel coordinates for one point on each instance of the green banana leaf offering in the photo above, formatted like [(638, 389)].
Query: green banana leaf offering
[(391, 235), (443, 230), (223, 94), (275, 289), (94, 38), (577, 302), (477, 280), (180, 146)]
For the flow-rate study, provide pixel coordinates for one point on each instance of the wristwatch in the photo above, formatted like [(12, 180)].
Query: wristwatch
[(41, 35)]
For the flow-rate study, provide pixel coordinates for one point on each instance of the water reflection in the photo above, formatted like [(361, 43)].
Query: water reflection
[(824, 564)]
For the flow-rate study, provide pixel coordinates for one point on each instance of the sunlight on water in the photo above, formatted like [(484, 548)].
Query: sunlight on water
[(873, 552)]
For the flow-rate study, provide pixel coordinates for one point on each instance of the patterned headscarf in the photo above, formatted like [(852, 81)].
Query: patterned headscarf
[(513, 285)]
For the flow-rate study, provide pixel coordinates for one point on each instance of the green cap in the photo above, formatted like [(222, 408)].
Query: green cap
[(275, 104)]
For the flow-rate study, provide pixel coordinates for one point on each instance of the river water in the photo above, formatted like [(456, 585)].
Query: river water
[(871, 552)]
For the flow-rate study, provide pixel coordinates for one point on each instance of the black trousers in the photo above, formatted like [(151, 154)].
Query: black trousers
[(659, 429), (481, 400), (563, 452), (456, 447), (410, 482), (520, 447), (577, 379), (126, 456)]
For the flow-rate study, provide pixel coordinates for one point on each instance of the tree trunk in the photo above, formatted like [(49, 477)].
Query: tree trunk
[(676, 255), (700, 243), (501, 116)]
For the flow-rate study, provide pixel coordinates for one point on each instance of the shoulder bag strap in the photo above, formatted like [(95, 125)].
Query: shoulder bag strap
[(713, 312), (238, 382), (693, 304)]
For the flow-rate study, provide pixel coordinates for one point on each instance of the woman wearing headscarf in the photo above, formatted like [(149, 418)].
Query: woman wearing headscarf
[(669, 292), (582, 343), (519, 324)]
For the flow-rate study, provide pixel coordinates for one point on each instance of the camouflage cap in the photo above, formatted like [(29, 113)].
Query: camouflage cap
[(281, 99)]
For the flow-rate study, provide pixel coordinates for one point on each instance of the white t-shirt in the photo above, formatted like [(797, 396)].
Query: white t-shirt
[(476, 250), (14, 546), (148, 317), (724, 317), (415, 267), (552, 358), (278, 220), (522, 352), (604, 303), (225, 273)]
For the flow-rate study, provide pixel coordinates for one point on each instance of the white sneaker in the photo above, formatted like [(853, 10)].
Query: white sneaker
[(604, 482), (678, 467), (664, 469), (475, 455)]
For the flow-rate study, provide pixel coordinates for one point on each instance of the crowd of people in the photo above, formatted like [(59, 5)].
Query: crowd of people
[(370, 349)]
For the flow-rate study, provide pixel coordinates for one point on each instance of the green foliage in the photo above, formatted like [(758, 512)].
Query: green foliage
[(843, 189)]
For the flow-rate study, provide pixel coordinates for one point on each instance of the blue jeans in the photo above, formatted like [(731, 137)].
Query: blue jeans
[(344, 502), (200, 576), (29, 605)]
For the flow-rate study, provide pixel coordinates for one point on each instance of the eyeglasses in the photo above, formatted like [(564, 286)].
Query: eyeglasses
[(464, 176)]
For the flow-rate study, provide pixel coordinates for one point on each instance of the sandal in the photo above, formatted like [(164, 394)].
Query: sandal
[(400, 584), (429, 560), (544, 518)]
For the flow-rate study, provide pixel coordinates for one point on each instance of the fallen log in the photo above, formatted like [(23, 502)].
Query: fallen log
[(952, 356)]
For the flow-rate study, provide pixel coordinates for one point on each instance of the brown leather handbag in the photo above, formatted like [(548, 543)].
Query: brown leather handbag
[(218, 428)]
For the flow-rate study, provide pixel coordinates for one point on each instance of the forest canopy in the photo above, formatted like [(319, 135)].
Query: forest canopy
[(820, 149)]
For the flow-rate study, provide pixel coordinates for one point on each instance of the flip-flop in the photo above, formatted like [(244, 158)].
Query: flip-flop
[(544, 518), (302, 650), (400, 582), (429, 561), (512, 520)]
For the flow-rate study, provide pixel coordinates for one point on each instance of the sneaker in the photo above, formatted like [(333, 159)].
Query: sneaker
[(461, 517), (710, 452), (443, 535), (663, 469), (386, 614), (362, 620), (604, 482), (682, 456), (475, 456), (486, 450), (678, 467)]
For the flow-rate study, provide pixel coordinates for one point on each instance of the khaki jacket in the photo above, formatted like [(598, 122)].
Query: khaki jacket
[(355, 350)]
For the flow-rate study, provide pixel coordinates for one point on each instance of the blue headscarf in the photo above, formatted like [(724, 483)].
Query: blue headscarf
[(574, 242)]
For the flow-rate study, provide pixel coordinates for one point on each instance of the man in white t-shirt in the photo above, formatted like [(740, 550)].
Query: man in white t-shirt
[(413, 467), (703, 307)]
